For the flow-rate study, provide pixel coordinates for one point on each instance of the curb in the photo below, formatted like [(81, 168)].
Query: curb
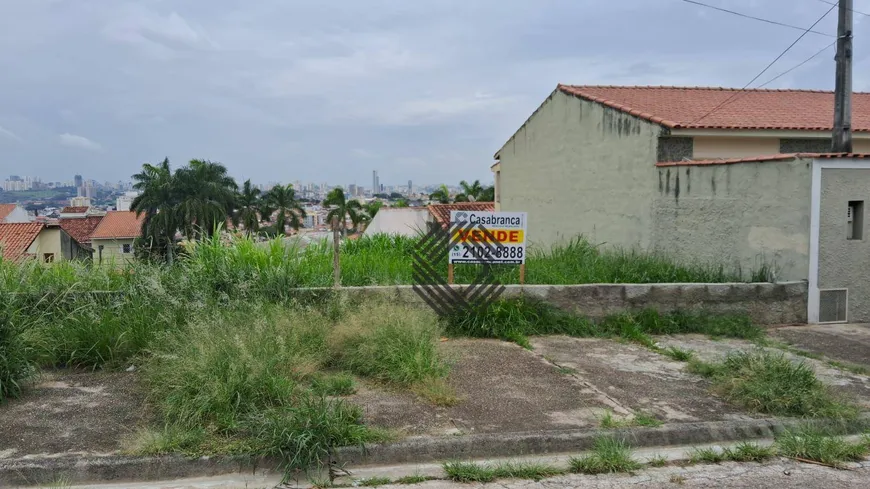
[(32, 471)]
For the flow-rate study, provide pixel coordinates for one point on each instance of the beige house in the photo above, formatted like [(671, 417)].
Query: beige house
[(718, 175), (113, 238), (49, 243)]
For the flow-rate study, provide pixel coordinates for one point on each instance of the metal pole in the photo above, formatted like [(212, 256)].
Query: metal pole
[(842, 136)]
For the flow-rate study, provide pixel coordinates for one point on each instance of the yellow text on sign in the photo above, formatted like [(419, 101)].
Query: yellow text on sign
[(503, 236)]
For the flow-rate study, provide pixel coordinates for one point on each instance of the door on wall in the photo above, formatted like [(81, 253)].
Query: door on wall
[(843, 195)]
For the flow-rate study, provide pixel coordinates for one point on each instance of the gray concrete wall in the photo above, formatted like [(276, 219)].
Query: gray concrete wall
[(765, 303), (579, 168), (845, 263), (741, 214)]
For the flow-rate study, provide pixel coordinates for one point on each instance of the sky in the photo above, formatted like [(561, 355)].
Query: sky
[(329, 90)]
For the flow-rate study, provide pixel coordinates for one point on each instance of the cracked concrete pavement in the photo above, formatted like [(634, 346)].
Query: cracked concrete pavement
[(776, 474)]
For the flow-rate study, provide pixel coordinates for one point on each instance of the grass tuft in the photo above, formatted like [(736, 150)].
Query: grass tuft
[(373, 482), (641, 418), (608, 455), (678, 354), (472, 472), (706, 455), (812, 444), (657, 461), (413, 479), (748, 452), (771, 383), (333, 385)]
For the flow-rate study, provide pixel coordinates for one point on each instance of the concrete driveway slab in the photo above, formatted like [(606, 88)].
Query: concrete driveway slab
[(634, 378), (850, 384), (502, 387), (843, 342)]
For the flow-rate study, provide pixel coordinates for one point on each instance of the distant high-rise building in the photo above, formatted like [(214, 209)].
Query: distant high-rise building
[(410, 187), (78, 181), (352, 190), (376, 182), (123, 202)]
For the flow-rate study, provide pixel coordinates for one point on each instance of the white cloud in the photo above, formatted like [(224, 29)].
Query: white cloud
[(80, 142), (9, 134), (157, 35)]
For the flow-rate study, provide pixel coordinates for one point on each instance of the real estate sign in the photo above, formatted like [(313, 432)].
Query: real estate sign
[(488, 237)]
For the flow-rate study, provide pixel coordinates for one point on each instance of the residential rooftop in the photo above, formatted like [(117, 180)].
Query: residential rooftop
[(119, 225), (693, 107), (15, 238)]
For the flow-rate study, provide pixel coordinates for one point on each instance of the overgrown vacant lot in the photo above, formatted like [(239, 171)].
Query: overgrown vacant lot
[(232, 363)]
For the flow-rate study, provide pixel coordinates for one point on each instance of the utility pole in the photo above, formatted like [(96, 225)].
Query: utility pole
[(842, 136)]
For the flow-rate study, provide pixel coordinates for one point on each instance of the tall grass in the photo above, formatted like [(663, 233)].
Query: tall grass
[(774, 384), (257, 376), (517, 319)]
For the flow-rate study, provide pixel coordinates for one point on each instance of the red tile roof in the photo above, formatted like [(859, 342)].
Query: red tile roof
[(74, 210), (16, 238), (80, 229), (441, 212), (119, 224), (757, 159), (5, 210), (686, 107)]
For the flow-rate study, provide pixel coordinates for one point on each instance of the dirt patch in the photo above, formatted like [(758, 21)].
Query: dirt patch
[(843, 342), (72, 411), (853, 386), (634, 378), (503, 388)]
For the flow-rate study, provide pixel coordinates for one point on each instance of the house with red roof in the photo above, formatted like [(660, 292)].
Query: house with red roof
[(112, 239), (37, 240), (738, 178), (13, 213)]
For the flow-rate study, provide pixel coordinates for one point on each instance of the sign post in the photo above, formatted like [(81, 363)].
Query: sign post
[(493, 238)]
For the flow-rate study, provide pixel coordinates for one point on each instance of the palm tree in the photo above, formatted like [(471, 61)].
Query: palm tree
[(372, 208), (442, 195), (282, 198), (342, 207), (158, 200), (470, 192), (207, 197), (487, 195), (248, 207)]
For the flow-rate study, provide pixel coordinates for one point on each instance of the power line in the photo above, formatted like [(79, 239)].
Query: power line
[(853, 10), (758, 18), (786, 72), (714, 109)]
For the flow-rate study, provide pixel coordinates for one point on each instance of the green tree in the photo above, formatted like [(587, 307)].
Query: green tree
[(372, 208), (401, 203), (341, 207), (207, 197), (158, 201), (282, 199), (470, 192), (487, 195), (248, 208), (442, 195)]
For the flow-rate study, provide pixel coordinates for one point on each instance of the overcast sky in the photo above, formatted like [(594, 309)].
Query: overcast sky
[(327, 90)]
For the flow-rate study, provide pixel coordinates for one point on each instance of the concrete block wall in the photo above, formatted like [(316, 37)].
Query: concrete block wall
[(765, 303)]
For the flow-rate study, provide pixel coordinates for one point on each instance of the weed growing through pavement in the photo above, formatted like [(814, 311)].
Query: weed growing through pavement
[(657, 461), (641, 418), (771, 383), (813, 444), (482, 473), (608, 455)]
